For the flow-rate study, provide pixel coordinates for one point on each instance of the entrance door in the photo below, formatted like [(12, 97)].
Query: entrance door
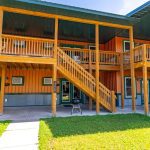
[(142, 91), (68, 92), (65, 92)]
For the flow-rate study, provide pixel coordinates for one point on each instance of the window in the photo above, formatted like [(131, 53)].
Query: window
[(126, 46), (128, 88), (17, 81), (47, 81)]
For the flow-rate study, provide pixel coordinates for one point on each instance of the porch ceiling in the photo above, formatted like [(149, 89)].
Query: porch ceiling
[(58, 9), (19, 24)]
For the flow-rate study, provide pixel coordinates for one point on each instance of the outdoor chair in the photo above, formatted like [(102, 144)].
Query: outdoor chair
[(76, 106)]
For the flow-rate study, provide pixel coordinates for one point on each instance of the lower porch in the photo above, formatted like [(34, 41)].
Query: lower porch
[(33, 113)]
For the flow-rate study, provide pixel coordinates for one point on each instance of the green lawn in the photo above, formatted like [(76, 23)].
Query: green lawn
[(3, 126), (112, 132)]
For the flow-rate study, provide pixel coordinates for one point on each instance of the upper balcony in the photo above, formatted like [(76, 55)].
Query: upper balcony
[(39, 50), (142, 56), (21, 49)]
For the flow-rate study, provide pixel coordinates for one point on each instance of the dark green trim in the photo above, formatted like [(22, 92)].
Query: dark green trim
[(71, 93), (124, 89), (142, 100), (61, 101), (46, 84), (18, 84)]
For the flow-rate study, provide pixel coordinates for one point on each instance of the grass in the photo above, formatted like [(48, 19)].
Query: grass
[(3, 126), (112, 132)]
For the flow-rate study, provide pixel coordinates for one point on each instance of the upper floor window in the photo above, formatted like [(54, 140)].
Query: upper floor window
[(126, 45)]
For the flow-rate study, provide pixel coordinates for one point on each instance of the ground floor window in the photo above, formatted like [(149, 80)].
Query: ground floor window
[(128, 88)]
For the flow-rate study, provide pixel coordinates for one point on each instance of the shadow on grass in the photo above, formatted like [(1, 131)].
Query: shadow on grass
[(61, 127)]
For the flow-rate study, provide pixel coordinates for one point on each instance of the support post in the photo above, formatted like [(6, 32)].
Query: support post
[(97, 68), (145, 87), (54, 91), (2, 92), (145, 81), (56, 38), (122, 81), (132, 68), (90, 71), (54, 85)]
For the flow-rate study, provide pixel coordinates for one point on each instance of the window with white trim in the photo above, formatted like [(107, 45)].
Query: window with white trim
[(126, 46)]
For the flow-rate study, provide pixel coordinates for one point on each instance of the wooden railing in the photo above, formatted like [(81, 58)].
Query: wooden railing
[(138, 53), (107, 57), (26, 46), (126, 58), (142, 53), (77, 72), (84, 80), (84, 56), (147, 46)]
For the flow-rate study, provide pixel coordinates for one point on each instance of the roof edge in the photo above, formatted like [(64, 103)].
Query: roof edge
[(138, 9)]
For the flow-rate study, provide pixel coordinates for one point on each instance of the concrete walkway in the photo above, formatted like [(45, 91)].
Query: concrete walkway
[(20, 136)]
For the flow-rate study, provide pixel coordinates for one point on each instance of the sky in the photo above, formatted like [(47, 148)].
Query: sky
[(121, 7)]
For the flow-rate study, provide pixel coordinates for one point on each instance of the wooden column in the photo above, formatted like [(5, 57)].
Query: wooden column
[(56, 38), (90, 71), (97, 68), (3, 68), (54, 91), (1, 28), (145, 81), (122, 81), (132, 68), (54, 86), (145, 87)]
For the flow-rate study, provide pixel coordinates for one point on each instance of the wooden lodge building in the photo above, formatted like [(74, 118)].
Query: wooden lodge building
[(51, 54)]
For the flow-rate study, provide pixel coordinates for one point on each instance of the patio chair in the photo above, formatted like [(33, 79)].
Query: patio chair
[(76, 106)]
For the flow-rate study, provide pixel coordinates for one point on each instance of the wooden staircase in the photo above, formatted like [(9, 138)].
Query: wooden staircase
[(82, 79)]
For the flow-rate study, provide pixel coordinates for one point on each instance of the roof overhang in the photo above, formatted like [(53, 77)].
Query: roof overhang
[(142, 28), (58, 9)]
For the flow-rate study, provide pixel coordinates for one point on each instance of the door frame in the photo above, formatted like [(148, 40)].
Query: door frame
[(142, 98), (61, 91), (71, 93)]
